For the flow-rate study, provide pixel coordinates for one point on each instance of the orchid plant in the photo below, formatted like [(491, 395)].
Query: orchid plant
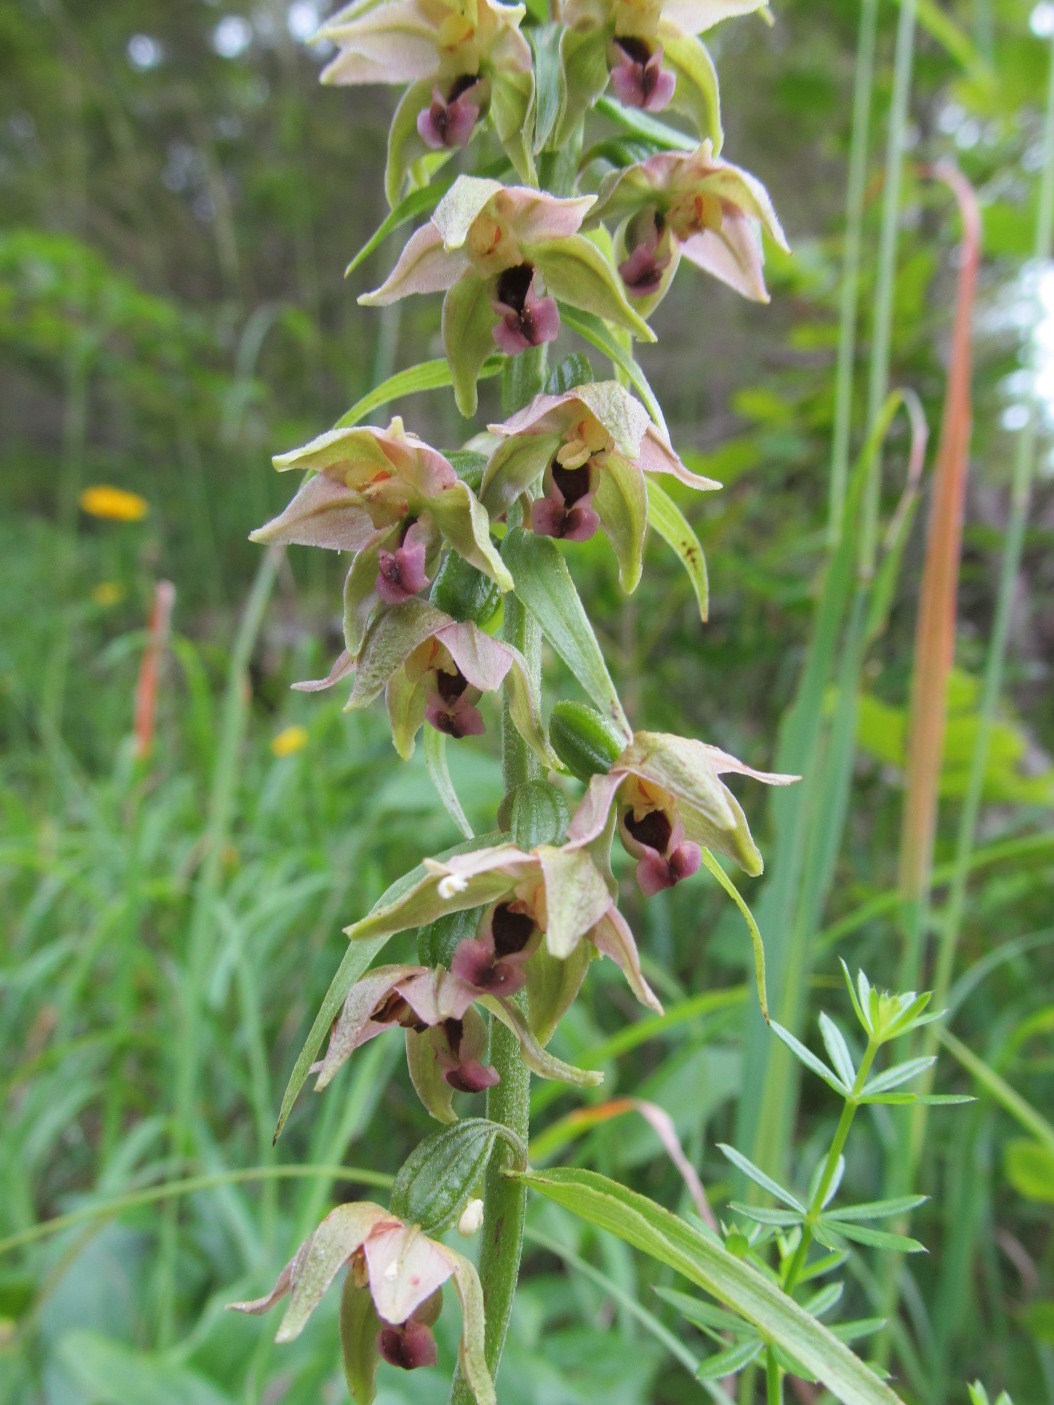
[(454, 576)]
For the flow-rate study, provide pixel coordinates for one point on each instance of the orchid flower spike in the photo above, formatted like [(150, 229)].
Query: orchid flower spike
[(465, 61), (503, 255), (395, 1274), (649, 50), (434, 669), (446, 1037), (691, 204), (591, 447), (669, 803), (385, 493)]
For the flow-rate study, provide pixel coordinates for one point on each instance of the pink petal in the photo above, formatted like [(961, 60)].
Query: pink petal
[(592, 814), (732, 254), (612, 937), (405, 1268), (424, 267), (344, 665), (657, 456)]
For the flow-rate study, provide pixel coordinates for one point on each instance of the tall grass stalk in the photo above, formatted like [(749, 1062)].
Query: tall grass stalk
[(863, 91)]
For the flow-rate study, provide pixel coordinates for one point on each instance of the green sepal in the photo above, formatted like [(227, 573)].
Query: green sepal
[(576, 272), (583, 56), (405, 146), (552, 985), (517, 462), (435, 1093), (468, 322), (550, 82), (621, 501), (359, 1326), (444, 1171), (696, 93), (512, 101), (360, 598), (463, 521)]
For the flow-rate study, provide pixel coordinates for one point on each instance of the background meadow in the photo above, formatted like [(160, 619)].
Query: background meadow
[(182, 838)]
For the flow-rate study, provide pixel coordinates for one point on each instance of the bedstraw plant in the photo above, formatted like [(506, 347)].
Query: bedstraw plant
[(546, 197)]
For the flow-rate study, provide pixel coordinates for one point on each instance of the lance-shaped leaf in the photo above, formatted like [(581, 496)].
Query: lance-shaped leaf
[(544, 584), (674, 801)]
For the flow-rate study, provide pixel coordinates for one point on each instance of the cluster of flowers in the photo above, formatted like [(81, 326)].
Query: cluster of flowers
[(506, 257)]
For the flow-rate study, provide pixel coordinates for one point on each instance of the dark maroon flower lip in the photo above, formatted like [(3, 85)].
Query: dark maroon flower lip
[(407, 1346), (658, 842), (526, 318), (638, 77), (462, 1070), (449, 121), (401, 573)]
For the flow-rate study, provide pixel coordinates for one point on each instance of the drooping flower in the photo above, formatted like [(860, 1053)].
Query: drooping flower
[(465, 60), (670, 803), (387, 493), (549, 904), (591, 447), (434, 669), (503, 255), (691, 204), (395, 1276), (649, 50), (446, 1037)]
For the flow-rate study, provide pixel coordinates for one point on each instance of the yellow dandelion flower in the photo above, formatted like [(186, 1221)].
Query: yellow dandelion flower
[(107, 593), (289, 740), (114, 504)]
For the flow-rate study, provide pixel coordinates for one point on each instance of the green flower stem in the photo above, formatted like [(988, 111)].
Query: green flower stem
[(509, 1101), (845, 1122)]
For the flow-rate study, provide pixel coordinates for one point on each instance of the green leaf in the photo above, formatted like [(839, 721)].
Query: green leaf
[(1030, 1169), (809, 1059), (873, 1238), (574, 370), (701, 1314), (706, 1262), (426, 375), (893, 1077), (838, 1050), (757, 946), (780, 1218), (544, 584), (442, 1172), (671, 524), (418, 202), (878, 1209), (435, 760), (356, 960), (758, 1176), (729, 1361), (601, 337), (642, 124), (549, 88)]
